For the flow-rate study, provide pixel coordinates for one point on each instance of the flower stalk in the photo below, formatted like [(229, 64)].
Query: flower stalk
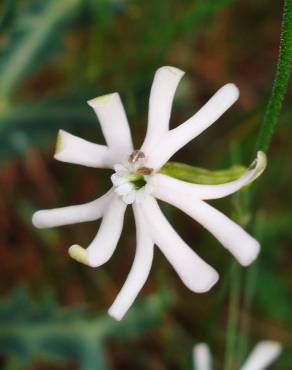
[(280, 85), (233, 317), (270, 121), (267, 129)]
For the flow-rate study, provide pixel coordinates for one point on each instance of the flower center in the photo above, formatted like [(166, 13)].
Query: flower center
[(130, 178), (137, 180)]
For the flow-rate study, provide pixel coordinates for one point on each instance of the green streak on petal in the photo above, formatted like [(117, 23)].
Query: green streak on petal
[(59, 143), (100, 100)]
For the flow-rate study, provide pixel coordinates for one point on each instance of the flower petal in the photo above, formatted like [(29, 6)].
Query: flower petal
[(104, 244), (162, 93), (181, 135), (139, 271), (233, 237), (262, 356), (73, 149), (115, 127), (202, 357), (196, 274), (169, 184), (73, 214), (118, 180), (124, 188), (130, 197)]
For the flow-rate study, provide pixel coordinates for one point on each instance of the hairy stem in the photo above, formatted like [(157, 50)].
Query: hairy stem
[(264, 138), (280, 83)]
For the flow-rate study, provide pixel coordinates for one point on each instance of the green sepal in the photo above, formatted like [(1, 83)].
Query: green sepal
[(198, 175)]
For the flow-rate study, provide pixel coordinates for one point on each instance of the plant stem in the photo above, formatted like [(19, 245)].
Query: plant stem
[(269, 123), (248, 295), (280, 83), (233, 315), (235, 281), (249, 292)]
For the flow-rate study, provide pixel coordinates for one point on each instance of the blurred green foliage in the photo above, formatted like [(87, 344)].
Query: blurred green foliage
[(46, 331), (54, 55), (36, 34)]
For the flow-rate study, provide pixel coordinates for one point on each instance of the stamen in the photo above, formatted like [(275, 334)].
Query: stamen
[(130, 179), (145, 171), (135, 156)]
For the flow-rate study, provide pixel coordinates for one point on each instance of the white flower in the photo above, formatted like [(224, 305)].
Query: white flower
[(137, 181), (262, 356)]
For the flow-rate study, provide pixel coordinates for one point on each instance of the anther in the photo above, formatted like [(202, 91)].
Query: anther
[(135, 156), (145, 171)]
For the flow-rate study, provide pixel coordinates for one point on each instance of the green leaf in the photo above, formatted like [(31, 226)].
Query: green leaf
[(197, 175)]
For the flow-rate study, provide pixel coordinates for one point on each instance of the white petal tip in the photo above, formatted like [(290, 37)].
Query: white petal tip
[(231, 91), (202, 356), (38, 219), (263, 355), (78, 253), (172, 70), (246, 259), (94, 260), (201, 347), (101, 100), (209, 282), (115, 314), (272, 346), (202, 282), (258, 165)]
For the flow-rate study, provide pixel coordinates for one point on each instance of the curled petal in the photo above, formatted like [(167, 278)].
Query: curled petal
[(262, 356), (196, 274), (73, 149), (139, 271), (115, 127), (202, 357), (104, 244), (233, 237), (181, 135), (169, 184), (73, 214), (162, 93)]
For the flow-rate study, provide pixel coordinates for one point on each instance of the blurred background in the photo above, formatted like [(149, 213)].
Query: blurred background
[(55, 55)]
